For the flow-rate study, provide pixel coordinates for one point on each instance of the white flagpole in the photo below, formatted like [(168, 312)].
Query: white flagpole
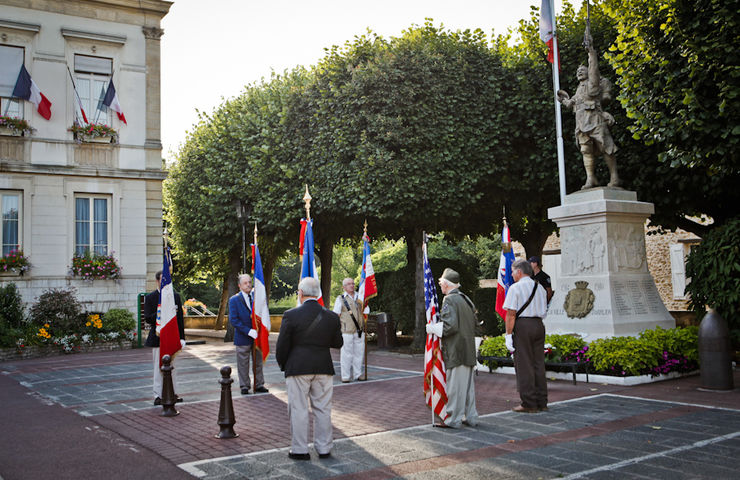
[(558, 119)]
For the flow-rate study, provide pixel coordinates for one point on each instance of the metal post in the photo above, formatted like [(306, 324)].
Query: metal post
[(168, 391), (558, 119), (226, 417)]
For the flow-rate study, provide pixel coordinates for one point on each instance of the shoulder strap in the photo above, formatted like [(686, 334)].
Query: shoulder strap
[(526, 304), (315, 322), (357, 324)]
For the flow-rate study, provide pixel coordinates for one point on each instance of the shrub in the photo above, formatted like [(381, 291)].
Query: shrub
[(118, 320), (564, 346), (60, 310), (623, 356), (714, 267), (494, 347), (11, 306)]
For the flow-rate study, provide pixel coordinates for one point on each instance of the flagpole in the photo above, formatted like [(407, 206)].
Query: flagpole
[(254, 340), (431, 378), (558, 119), (364, 323)]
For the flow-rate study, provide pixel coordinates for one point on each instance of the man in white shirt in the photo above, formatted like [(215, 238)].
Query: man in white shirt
[(526, 307), (349, 309)]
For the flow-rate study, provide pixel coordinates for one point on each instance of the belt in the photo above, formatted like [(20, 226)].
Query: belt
[(529, 318)]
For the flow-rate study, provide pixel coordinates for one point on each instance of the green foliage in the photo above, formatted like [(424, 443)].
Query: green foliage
[(622, 356), (118, 320), (714, 267), (682, 341), (564, 345), (12, 313), (391, 258), (60, 309), (493, 347)]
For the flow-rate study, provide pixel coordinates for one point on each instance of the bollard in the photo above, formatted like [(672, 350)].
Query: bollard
[(715, 360), (168, 391), (226, 418)]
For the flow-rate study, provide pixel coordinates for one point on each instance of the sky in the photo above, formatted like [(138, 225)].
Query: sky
[(211, 49)]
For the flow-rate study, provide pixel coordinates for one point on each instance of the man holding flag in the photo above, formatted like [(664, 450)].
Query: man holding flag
[(505, 280), (240, 316)]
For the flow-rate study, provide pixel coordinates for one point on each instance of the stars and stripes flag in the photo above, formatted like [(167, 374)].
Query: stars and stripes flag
[(435, 376), (368, 286), (505, 280), (308, 268), (27, 89), (167, 328), (260, 311)]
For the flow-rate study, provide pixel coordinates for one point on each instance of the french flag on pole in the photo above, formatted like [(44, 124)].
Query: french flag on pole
[(111, 101), (547, 29), (27, 89), (167, 329), (505, 280), (368, 286), (308, 268), (260, 311)]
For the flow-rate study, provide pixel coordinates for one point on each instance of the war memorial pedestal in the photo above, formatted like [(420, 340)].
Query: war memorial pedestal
[(604, 288)]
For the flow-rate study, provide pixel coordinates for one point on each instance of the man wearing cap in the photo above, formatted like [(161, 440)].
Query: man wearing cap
[(526, 306), (457, 330), (541, 277)]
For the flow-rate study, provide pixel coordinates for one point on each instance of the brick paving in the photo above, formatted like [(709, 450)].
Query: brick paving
[(382, 428)]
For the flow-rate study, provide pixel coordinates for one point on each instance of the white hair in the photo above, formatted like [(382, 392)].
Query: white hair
[(310, 287), (449, 283)]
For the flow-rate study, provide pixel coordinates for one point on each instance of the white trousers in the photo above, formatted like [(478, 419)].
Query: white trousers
[(461, 396), (158, 374), (318, 390), (352, 355)]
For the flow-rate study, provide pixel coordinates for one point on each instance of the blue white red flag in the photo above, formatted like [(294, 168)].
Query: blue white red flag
[(260, 311), (308, 268), (368, 286), (27, 89), (505, 280), (111, 101), (547, 29), (167, 329), (435, 376)]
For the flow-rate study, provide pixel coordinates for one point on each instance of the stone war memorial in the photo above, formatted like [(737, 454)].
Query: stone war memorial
[(604, 288)]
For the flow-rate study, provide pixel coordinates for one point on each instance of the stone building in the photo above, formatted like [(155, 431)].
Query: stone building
[(64, 192)]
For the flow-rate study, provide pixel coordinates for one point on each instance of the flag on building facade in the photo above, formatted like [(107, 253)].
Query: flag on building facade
[(308, 268), (27, 89), (547, 29), (435, 376), (260, 311), (368, 286), (505, 280), (111, 101), (167, 329)]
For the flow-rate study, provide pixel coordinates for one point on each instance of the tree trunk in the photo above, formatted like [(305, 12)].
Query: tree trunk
[(414, 244), (268, 267), (326, 252), (232, 280), (221, 319), (534, 240)]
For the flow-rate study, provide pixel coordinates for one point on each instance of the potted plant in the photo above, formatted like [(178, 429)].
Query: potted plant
[(14, 263), (94, 133), (95, 267), (15, 127)]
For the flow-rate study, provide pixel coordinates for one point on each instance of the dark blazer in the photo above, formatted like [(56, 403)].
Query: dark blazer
[(151, 302), (240, 317), (299, 353)]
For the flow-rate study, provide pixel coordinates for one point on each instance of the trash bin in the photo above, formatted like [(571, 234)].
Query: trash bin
[(386, 332)]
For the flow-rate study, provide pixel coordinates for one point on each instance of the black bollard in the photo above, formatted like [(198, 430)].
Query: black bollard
[(226, 418), (715, 359), (168, 391)]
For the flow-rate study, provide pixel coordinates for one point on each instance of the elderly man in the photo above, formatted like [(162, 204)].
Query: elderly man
[(306, 334), (240, 316), (457, 330), (349, 309), (526, 306)]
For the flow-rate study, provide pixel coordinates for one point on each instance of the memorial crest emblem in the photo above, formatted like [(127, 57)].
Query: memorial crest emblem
[(579, 301)]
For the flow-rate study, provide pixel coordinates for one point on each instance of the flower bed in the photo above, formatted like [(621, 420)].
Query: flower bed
[(36, 351)]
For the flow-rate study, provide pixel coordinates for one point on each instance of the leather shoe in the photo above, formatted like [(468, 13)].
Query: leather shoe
[(325, 455), (157, 401), (521, 409), (299, 456), (245, 391), (178, 399), (261, 390), (345, 381), (442, 425), (362, 379)]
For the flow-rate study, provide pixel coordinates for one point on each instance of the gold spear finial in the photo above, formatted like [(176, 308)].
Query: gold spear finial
[(307, 199), (365, 230), (255, 233)]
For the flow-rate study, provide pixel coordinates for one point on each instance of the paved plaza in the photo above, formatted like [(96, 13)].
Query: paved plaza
[(91, 416)]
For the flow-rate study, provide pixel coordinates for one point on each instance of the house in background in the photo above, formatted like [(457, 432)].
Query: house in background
[(63, 192)]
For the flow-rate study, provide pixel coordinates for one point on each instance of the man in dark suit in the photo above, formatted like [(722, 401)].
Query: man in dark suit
[(151, 307), (306, 334), (240, 316)]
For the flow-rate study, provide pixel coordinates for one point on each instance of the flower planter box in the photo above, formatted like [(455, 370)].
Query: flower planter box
[(90, 139), (12, 353), (10, 132)]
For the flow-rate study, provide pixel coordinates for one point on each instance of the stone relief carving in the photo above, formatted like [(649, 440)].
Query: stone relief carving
[(579, 301), (585, 252), (627, 247)]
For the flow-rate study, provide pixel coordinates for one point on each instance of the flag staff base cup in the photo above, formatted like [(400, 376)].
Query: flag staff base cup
[(168, 392), (226, 419)]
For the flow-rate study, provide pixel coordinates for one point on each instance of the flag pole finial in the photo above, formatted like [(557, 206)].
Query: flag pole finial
[(307, 199), (255, 233), (364, 231)]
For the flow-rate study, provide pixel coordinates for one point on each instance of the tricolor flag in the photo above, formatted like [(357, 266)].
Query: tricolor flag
[(111, 101), (547, 29), (260, 311), (27, 89), (368, 287), (505, 280), (435, 376), (167, 329), (308, 268)]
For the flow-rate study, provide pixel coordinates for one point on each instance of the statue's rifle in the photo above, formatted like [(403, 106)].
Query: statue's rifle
[(587, 33)]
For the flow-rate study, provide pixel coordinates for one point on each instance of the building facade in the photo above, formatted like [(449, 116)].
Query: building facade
[(63, 190)]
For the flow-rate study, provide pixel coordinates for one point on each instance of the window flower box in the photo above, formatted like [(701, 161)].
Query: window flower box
[(95, 267), (94, 133), (14, 127), (14, 264)]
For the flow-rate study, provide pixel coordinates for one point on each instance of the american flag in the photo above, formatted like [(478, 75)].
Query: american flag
[(435, 378)]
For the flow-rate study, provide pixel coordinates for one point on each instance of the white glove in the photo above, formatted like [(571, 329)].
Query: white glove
[(509, 342), (182, 343), (435, 329), (252, 333)]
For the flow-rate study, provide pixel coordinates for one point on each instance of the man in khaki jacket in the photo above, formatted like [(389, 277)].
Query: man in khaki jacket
[(457, 330), (349, 309)]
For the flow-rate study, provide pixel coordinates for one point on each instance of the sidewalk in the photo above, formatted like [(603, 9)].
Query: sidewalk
[(92, 413)]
